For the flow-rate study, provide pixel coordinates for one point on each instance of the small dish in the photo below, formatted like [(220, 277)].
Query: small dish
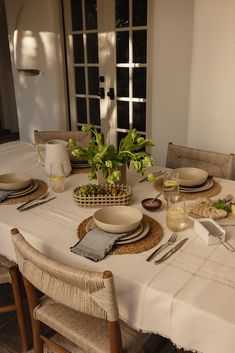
[(151, 206), (14, 181), (117, 219)]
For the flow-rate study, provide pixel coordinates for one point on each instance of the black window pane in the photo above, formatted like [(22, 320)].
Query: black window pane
[(81, 111), (80, 80), (122, 47), (139, 46), (93, 80), (139, 116), (139, 14), (120, 135), (94, 105), (122, 13), (92, 48), (91, 14), (78, 49), (122, 82), (76, 10), (139, 83), (123, 115)]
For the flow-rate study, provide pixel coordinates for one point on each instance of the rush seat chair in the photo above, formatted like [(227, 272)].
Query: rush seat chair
[(78, 304)]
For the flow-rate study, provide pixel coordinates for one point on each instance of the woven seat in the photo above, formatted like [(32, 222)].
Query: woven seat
[(9, 274), (82, 138), (216, 164), (80, 305)]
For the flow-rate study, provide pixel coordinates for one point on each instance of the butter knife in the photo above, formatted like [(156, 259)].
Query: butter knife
[(27, 207), (171, 252)]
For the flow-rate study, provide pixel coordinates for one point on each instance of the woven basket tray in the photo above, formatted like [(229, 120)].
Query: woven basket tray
[(105, 200)]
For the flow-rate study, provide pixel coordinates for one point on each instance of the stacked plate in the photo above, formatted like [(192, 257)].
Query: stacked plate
[(120, 219), (194, 180), (17, 184), (77, 164)]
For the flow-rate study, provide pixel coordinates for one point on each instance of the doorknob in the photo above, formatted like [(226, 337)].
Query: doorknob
[(110, 93), (101, 93)]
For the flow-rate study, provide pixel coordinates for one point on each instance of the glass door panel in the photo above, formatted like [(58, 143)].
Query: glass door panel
[(107, 64)]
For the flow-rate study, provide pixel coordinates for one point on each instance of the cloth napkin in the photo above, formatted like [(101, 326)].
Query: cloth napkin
[(4, 194), (96, 244)]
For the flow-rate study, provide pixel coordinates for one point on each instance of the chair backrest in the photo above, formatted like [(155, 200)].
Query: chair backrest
[(82, 138), (216, 164), (89, 292)]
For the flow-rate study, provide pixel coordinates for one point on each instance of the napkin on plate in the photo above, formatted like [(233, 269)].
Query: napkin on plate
[(4, 194), (96, 244)]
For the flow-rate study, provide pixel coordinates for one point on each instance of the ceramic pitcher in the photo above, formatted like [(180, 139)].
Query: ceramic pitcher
[(54, 151)]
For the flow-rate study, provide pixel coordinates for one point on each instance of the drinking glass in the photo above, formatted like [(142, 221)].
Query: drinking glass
[(57, 177), (176, 219), (171, 184)]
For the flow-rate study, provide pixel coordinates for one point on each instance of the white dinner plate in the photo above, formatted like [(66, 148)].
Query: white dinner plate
[(206, 186), (14, 181), (144, 232), (140, 232), (32, 187)]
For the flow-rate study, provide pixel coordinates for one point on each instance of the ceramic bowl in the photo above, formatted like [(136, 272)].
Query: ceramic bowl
[(191, 176), (117, 219), (151, 206), (14, 181)]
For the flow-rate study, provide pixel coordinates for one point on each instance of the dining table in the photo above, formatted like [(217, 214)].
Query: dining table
[(189, 298)]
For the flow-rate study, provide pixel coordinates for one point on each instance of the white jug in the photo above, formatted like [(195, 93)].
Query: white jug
[(54, 151)]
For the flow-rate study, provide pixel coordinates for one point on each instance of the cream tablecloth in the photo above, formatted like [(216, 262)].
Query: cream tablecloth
[(189, 298)]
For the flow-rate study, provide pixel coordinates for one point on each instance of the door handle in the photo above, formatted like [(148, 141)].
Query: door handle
[(101, 93), (110, 93)]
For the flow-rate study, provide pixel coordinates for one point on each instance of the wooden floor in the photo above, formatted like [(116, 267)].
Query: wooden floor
[(10, 341)]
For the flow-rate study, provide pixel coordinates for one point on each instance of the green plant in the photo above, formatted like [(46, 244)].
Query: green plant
[(108, 159)]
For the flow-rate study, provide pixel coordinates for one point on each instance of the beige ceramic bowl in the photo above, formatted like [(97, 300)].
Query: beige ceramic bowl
[(14, 181), (191, 176), (117, 219)]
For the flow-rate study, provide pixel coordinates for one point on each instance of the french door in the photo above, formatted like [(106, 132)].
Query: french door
[(106, 44)]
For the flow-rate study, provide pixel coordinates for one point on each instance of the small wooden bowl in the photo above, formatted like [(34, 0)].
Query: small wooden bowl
[(146, 203)]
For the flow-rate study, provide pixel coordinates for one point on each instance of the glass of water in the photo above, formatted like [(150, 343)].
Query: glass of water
[(57, 177), (176, 219), (170, 184)]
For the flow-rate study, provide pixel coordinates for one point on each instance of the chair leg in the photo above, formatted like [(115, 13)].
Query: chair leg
[(19, 307), (32, 296)]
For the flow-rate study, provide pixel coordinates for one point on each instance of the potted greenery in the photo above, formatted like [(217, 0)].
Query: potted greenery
[(109, 160)]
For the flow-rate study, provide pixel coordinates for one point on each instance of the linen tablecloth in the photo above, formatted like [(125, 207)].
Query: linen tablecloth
[(189, 298)]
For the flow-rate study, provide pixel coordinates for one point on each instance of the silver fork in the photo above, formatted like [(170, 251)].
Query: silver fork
[(169, 242), (43, 197)]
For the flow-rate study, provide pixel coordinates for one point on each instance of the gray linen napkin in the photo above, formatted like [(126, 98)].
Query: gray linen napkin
[(96, 244), (4, 194)]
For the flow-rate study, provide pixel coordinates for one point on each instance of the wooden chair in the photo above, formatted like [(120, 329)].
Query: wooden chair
[(82, 138), (9, 274), (78, 304), (216, 164)]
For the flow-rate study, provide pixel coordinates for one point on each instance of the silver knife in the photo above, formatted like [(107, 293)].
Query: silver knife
[(171, 252), (27, 207)]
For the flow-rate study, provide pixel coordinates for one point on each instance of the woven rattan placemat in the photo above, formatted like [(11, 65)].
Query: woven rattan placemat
[(148, 242), (213, 191), (41, 189)]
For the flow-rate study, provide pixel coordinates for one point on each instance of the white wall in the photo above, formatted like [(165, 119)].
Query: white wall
[(170, 74), (212, 95), (41, 102)]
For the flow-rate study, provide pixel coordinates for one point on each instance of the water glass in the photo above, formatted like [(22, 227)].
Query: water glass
[(170, 184), (57, 177), (176, 218)]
